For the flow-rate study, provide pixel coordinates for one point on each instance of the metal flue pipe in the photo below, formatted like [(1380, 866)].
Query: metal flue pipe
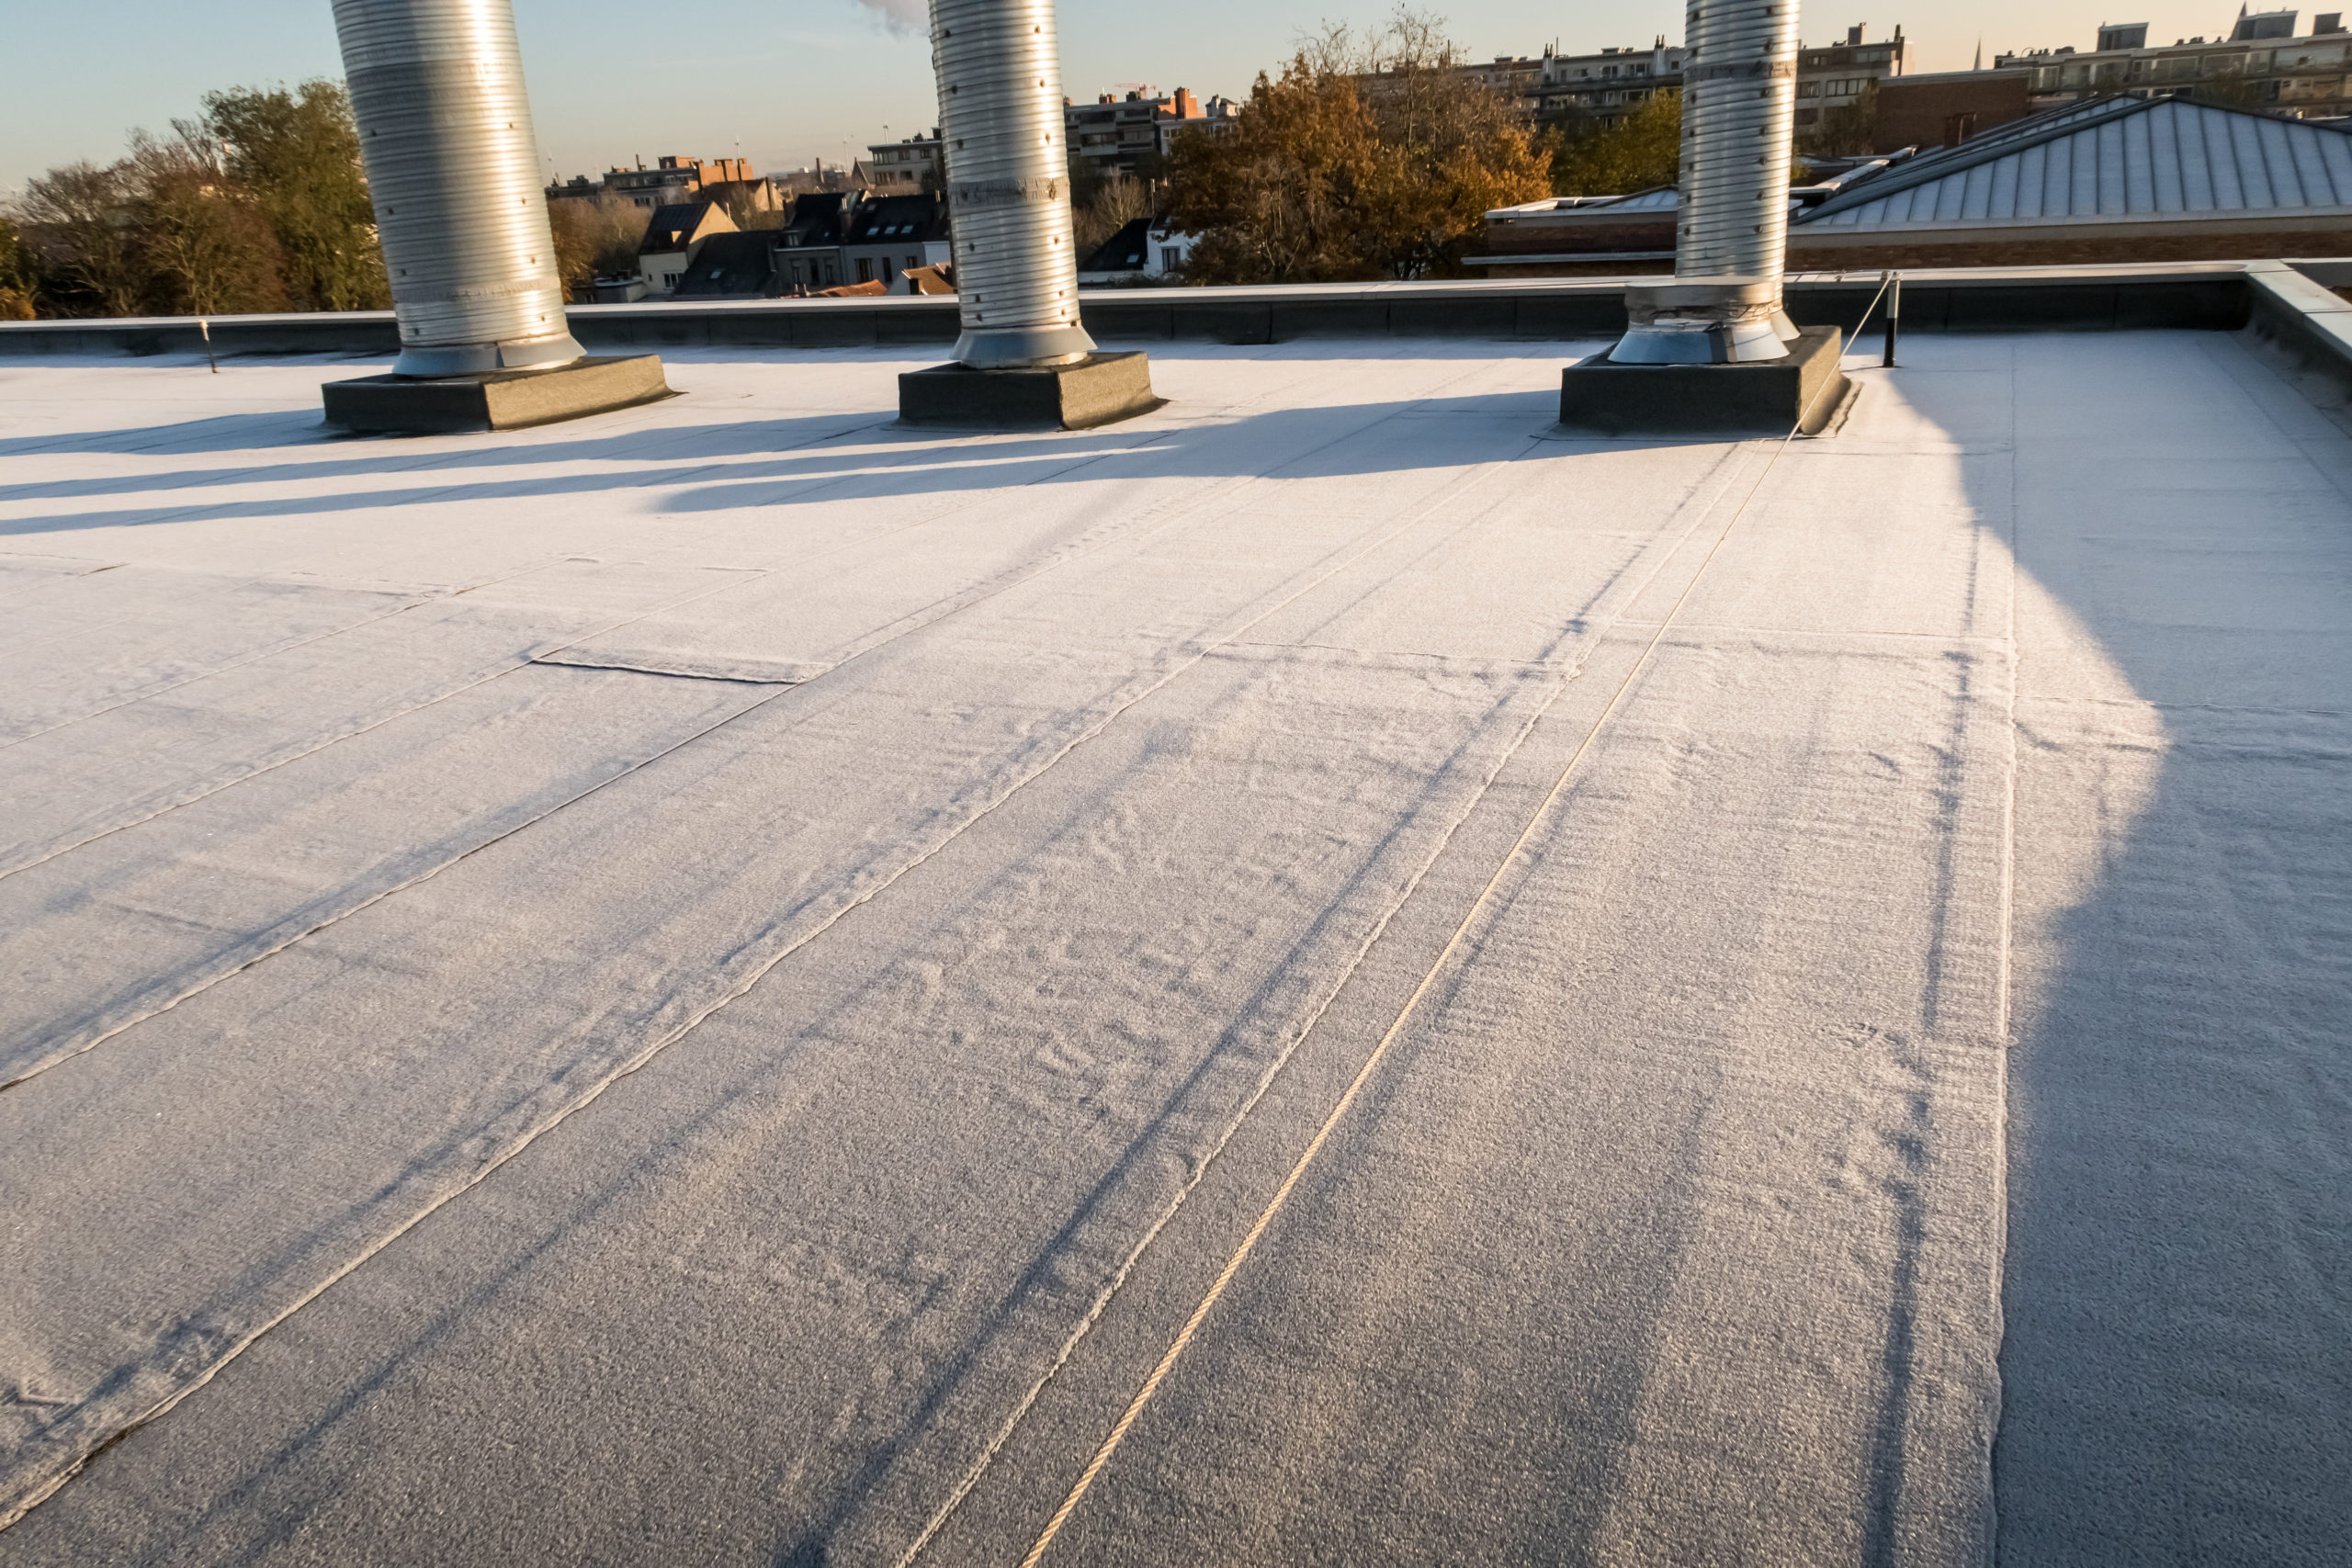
[(1008, 182), (1739, 93), (1731, 241), (445, 130)]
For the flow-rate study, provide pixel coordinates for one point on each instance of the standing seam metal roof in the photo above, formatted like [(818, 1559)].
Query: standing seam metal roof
[(2130, 158)]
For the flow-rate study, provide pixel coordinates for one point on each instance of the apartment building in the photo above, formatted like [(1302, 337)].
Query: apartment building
[(2262, 65), (1130, 134), (915, 166)]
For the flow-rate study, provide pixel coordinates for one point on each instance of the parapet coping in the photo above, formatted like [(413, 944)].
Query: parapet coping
[(2212, 296)]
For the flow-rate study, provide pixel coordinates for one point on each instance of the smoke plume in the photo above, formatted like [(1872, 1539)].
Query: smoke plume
[(903, 16)]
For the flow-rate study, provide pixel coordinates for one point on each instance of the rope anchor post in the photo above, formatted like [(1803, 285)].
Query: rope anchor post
[(1891, 284)]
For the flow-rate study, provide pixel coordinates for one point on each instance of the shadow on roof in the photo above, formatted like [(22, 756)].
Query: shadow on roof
[(810, 458), (2177, 1368), (221, 432)]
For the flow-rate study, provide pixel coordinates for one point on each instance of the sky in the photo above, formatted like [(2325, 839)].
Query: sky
[(790, 80)]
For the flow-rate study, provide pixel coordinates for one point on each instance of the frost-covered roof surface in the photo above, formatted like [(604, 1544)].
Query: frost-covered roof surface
[(718, 983)]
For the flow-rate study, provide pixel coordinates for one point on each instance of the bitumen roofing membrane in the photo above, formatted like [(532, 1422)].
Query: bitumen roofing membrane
[(735, 982)]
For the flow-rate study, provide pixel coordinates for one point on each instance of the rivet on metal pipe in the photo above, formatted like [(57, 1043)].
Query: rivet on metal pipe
[(1738, 97), (1007, 183), (445, 130)]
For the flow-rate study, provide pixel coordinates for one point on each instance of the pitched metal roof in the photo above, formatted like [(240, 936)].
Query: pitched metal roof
[(821, 217), (1123, 252), (2122, 159), (735, 266), (676, 226), (888, 219), (1656, 199)]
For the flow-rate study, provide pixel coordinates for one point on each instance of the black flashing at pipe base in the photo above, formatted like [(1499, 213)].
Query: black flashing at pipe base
[(1097, 389), (1769, 397), (493, 399)]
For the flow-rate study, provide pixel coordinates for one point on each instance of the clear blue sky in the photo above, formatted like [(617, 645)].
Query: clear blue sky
[(797, 78)]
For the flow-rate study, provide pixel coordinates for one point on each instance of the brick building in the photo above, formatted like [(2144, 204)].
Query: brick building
[(674, 180), (1944, 108)]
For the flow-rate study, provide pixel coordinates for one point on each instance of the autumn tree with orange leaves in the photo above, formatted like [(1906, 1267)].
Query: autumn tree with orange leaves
[(1367, 158)]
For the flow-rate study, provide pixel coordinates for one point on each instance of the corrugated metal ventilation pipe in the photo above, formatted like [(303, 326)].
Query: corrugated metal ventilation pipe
[(436, 87), (1739, 87), (1008, 182)]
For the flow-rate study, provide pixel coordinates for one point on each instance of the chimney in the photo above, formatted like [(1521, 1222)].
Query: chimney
[(1015, 275), (1853, 37), (1187, 106), (471, 261), (1723, 304)]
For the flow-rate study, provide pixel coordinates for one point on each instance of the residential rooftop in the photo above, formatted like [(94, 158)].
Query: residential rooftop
[(733, 982)]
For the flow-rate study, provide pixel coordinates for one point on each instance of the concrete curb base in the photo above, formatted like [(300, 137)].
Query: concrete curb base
[(493, 399), (1099, 389), (1800, 392)]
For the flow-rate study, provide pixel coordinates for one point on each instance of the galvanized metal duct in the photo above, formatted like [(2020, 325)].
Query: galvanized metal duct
[(1738, 114), (436, 87), (1740, 88), (1008, 182)]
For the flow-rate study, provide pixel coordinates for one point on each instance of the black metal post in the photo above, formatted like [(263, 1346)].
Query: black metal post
[(1894, 315)]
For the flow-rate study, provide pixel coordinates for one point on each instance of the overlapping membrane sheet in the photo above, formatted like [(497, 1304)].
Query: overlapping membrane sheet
[(716, 984)]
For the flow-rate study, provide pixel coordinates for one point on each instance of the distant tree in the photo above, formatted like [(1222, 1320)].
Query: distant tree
[(261, 205), (593, 238), (2230, 90), (1371, 156), (1280, 199), (200, 236), (1846, 131), (1463, 149), (81, 228), (19, 283), (1640, 151), (297, 152), (1111, 205), (1085, 179), (736, 198)]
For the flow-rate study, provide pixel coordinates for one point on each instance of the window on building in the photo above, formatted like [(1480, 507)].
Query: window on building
[(1171, 258), (866, 269)]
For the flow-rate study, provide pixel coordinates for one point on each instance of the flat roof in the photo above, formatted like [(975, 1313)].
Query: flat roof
[(732, 982)]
